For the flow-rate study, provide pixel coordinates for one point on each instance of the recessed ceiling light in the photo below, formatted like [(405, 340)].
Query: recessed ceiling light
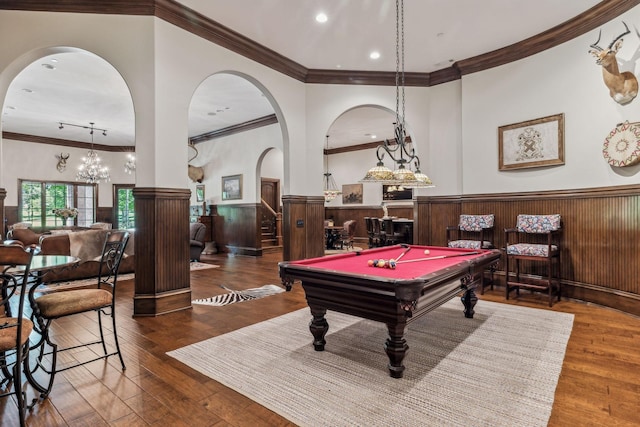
[(321, 18), (338, 66), (10, 107), (27, 90), (49, 66), (374, 55), (211, 113), (54, 60), (374, 136)]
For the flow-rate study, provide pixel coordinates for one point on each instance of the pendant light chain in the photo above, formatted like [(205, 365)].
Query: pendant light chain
[(402, 152), (400, 62), (402, 55)]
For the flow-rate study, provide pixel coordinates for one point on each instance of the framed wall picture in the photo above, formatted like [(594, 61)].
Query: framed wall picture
[(351, 194), (232, 187), (199, 193), (531, 144)]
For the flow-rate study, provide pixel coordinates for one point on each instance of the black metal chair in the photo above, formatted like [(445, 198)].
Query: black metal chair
[(391, 234), (99, 298), (373, 231), (14, 331)]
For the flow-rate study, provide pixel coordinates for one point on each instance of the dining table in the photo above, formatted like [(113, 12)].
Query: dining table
[(40, 266)]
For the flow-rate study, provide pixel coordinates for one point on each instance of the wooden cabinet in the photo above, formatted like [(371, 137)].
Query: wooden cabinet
[(208, 221), (214, 230)]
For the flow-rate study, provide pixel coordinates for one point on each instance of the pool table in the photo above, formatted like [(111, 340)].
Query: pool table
[(424, 278)]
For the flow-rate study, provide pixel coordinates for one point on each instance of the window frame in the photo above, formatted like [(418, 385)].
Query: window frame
[(114, 213), (43, 201)]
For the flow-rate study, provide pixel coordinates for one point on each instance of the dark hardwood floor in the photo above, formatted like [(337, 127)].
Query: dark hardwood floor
[(599, 384)]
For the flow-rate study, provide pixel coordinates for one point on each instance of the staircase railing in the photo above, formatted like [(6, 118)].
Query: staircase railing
[(277, 219)]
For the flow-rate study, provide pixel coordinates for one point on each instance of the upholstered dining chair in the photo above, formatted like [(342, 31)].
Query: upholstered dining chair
[(473, 232), (535, 238), (99, 298), (14, 331), (347, 234)]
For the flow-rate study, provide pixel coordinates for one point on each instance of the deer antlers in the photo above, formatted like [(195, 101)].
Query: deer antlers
[(595, 45), (623, 87)]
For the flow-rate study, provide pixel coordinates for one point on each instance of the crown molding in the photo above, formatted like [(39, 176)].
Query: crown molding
[(230, 130), (191, 21), (67, 142)]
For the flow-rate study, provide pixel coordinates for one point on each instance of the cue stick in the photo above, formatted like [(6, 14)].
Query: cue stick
[(404, 252), (438, 257)]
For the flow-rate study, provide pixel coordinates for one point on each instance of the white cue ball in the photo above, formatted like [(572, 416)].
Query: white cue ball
[(426, 251)]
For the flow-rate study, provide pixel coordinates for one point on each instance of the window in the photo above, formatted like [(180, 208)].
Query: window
[(38, 199), (124, 207)]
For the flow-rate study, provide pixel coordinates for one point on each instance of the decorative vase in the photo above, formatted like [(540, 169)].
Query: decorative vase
[(69, 222)]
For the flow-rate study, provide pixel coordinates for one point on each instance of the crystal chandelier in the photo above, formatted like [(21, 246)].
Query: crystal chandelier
[(91, 170), (400, 150), (330, 188), (130, 165)]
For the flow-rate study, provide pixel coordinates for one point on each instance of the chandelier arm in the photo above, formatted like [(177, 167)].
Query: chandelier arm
[(380, 155)]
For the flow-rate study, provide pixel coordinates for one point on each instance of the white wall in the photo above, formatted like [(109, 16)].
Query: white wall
[(454, 125), (239, 154), (566, 80), (27, 160), (162, 65)]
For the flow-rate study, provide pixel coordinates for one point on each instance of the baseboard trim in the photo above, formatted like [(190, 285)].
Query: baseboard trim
[(163, 303)]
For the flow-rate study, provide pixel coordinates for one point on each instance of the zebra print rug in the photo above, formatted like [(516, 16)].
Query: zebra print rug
[(239, 296)]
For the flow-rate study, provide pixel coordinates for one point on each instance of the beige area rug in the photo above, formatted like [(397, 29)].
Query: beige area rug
[(193, 266), (500, 368)]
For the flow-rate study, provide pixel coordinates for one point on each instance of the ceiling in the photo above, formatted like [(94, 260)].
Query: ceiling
[(437, 33)]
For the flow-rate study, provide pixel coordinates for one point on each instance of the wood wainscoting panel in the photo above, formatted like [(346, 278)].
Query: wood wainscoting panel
[(302, 227), (162, 251), (241, 228), (601, 228)]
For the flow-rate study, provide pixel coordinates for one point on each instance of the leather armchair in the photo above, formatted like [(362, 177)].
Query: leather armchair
[(197, 232)]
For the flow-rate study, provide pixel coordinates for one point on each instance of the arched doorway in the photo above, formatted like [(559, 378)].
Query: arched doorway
[(61, 104), (233, 123)]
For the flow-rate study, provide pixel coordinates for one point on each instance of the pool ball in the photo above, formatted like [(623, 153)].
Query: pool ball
[(381, 263), (370, 263), (426, 251), (392, 264)]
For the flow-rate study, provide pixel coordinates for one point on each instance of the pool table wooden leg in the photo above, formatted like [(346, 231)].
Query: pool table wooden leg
[(396, 348), (469, 299), (318, 327)]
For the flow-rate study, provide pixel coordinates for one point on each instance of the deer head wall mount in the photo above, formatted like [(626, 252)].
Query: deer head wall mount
[(623, 87), (62, 161)]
